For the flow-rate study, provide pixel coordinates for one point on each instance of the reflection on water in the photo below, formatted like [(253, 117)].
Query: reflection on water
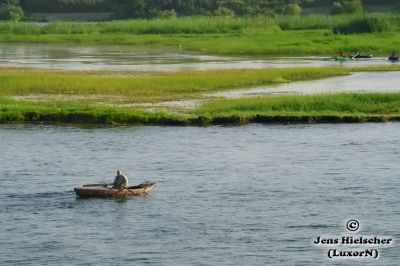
[(249, 195), (142, 58)]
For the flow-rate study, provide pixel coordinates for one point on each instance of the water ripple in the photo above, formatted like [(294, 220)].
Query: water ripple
[(251, 195)]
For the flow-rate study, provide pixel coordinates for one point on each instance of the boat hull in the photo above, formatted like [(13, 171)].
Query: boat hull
[(96, 191), (362, 56)]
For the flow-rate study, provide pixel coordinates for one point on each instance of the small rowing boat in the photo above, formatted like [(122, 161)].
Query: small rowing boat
[(361, 56), (106, 190), (342, 58), (393, 58)]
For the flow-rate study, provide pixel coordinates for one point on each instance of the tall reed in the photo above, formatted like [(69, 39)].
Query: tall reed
[(192, 25)]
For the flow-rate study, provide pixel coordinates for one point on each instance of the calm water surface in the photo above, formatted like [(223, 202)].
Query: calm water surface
[(251, 195), (361, 82), (145, 58)]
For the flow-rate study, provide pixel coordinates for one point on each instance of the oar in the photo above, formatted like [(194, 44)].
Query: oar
[(96, 185), (354, 56), (120, 190), (131, 191)]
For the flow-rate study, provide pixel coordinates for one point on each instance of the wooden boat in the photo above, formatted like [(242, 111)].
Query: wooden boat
[(106, 190)]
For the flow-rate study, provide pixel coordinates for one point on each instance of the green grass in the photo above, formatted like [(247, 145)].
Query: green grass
[(240, 36), (312, 21), (133, 87), (153, 87), (185, 25), (84, 96), (323, 108), (336, 108), (21, 111), (324, 104), (294, 42), (248, 36), (192, 25), (291, 42), (330, 22)]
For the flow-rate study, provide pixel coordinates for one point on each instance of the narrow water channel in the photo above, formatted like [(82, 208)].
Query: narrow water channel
[(356, 82), (146, 58)]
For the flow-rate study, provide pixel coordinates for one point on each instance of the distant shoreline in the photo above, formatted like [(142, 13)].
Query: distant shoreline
[(283, 35)]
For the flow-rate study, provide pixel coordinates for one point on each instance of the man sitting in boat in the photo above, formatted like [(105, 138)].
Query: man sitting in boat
[(120, 181)]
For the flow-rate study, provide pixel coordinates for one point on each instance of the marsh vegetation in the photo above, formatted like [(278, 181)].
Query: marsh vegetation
[(314, 34), (98, 97), (106, 98)]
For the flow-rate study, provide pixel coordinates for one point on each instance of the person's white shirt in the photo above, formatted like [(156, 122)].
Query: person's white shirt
[(120, 181)]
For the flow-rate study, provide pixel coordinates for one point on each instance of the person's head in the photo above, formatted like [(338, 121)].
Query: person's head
[(118, 172)]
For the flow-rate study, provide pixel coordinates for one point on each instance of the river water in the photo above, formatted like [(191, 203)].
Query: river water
[(360, 82), (249, 195), (147, 58)]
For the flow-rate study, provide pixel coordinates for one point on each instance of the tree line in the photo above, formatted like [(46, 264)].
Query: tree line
[(15, 9)]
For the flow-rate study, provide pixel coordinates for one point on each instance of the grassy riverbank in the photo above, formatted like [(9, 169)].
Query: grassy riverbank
[(330, 108), (12, 111), (293, 42), (343, 107), (147, 87), (224, 35), (140, 87), (119, 98)]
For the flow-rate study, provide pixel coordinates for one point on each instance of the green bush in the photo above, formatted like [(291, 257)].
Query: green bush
[(11, 12), (347, 7), (224, 12), (292, 10), (168, 14), (363, 25)]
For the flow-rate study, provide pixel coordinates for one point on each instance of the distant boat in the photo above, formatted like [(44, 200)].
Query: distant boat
[(393, 58), (352, 57), (362, 56), (106, 190)]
